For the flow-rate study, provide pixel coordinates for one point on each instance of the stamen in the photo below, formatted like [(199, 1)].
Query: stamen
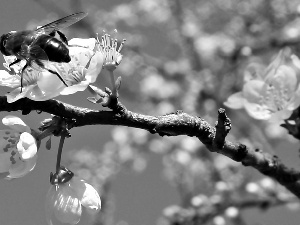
[(121, 45), (109, 48)]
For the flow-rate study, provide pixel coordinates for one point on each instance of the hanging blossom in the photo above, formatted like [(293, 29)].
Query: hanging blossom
[(271, 93), (40, 85), (18, 149), (66, 197)]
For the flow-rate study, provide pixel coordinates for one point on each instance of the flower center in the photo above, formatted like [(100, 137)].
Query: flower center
[(10, 141), (75, 76), (276, 98)]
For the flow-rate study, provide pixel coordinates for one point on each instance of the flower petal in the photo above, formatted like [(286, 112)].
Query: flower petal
[(87, 43), (27, 146), (295, 101), (95, 67), (252, 90), (50, 202), (66, 205), (4, 175), (8, 140), (278, 92), (284, 79), (273, 66), (37, 94), (17, 94), (91, 199), (254, 71), (280, 116), (16, 124), (80, 56), (9, 80), (75, 88), (59, 206), (257, 111), (235, 101), (21, 168), (16, 67), (87, 194), (5, 162), (50, 83)]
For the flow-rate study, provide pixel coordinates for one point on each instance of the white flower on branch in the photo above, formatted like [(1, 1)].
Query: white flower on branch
[(271, 93), (40, 85), (18, 149)]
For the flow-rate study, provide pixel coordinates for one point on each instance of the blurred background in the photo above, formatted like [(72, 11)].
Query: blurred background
[(179, 55)]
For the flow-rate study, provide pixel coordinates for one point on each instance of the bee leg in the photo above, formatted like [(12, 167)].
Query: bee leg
[(23, 69), (62, 36), (62, 80), (17, 60), (52, 34), (40, 64)]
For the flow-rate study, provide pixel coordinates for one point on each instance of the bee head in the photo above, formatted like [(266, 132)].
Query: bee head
[(3, 40)]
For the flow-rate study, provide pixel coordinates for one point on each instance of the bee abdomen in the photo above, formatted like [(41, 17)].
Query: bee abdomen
[(56, 50)]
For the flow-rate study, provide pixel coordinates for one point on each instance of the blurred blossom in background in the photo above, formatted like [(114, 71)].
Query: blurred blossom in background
[(189, 56)]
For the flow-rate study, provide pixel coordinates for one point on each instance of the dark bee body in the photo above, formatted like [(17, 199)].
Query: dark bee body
[(11, 43), (40, 44), (55, 49)]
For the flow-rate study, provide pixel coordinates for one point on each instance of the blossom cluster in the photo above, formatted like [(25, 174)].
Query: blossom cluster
[(65, 198), (20, 144), (271, 93), (88, 57)]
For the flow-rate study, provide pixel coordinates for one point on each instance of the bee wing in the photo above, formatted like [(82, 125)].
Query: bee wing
[(61, 23), (34, 56), (36, 52), (38, 60)]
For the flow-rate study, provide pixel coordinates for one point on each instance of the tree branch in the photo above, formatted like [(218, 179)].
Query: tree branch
[(174, 124)]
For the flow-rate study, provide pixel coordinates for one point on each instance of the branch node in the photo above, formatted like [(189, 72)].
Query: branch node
[(242, 152), (223, 126)]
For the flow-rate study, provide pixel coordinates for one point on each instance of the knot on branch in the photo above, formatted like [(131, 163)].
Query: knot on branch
[(57, 126), (242, 152), (112, 102), (223, 126), (176, 123)]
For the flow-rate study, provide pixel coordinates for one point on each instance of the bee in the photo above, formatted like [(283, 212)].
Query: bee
[(33, 46)]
